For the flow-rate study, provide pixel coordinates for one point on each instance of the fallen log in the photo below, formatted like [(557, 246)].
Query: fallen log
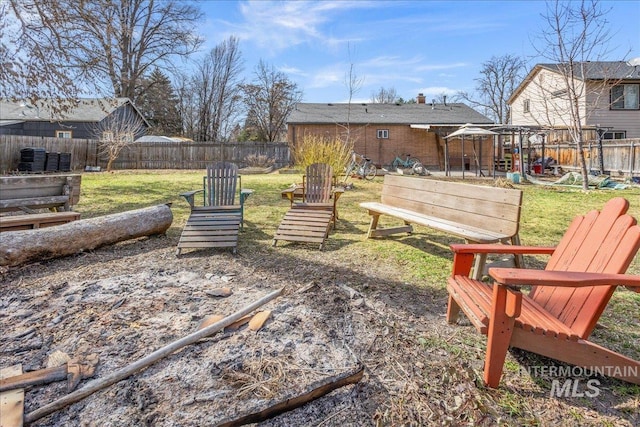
[(19, 247), (140, 364), (320, 389)]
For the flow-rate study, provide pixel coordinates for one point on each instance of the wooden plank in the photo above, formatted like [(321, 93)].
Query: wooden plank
[(34, 186), (461, 230), (12, 401), (301, 225), (30, 221), (34, 202), (479, 206)]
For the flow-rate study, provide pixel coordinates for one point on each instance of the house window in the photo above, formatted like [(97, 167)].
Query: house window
[(625, 97), (559, 93), (383, 133), (527, 106), (63, 134), (615, 134)]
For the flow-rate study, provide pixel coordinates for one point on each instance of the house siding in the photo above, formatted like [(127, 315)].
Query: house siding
[(48, 129), (618, 120), (80, 126), (548, 111)]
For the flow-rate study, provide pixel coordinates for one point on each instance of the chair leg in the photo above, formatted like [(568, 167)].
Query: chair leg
[(498, 337)]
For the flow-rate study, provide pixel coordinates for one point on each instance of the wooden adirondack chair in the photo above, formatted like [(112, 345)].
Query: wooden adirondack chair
[(566, 300), (217, 221), (310, 219)]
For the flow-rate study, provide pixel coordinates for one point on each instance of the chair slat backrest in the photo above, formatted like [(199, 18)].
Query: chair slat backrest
[(603, 242), (220, 184), (317, 183)]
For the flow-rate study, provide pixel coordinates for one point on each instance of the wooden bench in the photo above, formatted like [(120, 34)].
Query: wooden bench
[(478, 214), (29, 192), (31, 221)]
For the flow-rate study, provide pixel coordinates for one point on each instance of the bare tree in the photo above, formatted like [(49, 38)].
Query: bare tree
[(498, 79), (29, 69), (187, 105), (217, 87), (269, 100), (111, 43), (384, 96), (574, 34), (353, 84), (116, 132)]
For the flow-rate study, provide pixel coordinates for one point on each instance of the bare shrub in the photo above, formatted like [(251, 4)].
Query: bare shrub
[(316, 149)]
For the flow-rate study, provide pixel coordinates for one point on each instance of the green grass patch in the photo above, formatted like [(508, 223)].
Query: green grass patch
[(424, 257)]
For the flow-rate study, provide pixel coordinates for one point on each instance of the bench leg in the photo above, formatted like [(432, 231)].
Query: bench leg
[(518, 259), (373, 225), (409, 226), (478, 266), (480, 260), (453, 310)]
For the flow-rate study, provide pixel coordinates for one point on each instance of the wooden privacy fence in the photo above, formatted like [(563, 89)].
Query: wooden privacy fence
[(83, 151), (144, 155), (197, 155), (620, 157)]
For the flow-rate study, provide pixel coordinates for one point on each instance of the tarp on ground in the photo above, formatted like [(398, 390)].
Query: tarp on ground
[(574, 179)]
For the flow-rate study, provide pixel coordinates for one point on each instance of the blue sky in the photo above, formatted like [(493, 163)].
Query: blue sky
[(432, 47)]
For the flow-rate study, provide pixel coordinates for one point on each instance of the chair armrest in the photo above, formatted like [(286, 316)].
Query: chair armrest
[(463, 254), (337, 192), (189, 196), (571, 279), (495, 248), (244, 194), (289, 192)]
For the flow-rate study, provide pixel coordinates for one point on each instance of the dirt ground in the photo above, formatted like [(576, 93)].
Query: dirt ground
[(338, 310)]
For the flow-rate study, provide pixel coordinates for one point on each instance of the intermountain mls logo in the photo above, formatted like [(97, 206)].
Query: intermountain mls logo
[(576, 381)]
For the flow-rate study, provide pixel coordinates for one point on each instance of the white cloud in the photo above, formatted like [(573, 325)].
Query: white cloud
[(295, 71)]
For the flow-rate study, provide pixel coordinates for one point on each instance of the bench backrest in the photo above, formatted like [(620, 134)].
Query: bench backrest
[(221, 184), (487, 208), (37, 186), (599, 242)]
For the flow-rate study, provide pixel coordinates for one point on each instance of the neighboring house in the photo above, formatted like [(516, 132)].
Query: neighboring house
[(83, 121), (384, 131), (609, 98)]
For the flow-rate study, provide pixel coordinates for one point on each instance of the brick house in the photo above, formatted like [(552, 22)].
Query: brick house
[(384, 131)]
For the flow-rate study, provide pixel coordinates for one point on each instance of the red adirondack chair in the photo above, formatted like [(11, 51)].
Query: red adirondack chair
[(557, 316)]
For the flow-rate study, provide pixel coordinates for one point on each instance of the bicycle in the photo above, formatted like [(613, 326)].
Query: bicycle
[(412, 163), (364, 167)]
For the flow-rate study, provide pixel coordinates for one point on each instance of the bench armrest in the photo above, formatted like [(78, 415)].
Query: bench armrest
[(190, 195), (572, 279)]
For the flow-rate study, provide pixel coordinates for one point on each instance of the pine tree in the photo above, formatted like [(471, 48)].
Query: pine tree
[(159, 105)]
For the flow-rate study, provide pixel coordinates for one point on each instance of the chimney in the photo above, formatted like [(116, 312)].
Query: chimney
[(421, 98)]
